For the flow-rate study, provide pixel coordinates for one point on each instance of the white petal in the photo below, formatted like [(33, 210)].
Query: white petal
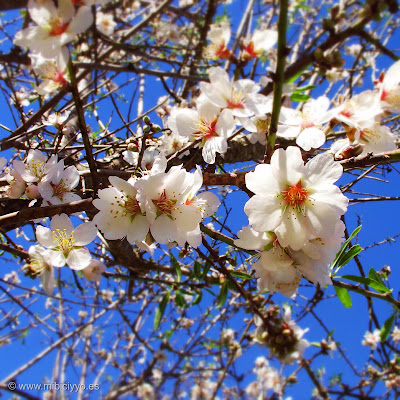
[(261, 181), (264, 212), (322, 169), (79, 258), (45, 236), (84, 233), (61, 222), (311, 138), (287, 165)]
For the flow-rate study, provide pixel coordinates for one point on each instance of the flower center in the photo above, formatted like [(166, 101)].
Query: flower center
[(250, 50), (36, 168), (206, 129), (131, 206), (164, 204), (58, 27), (59, 190), (236, 100), (65, 241), (295, 196)]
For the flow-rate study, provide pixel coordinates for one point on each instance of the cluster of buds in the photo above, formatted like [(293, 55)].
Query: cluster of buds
[(281, 335)]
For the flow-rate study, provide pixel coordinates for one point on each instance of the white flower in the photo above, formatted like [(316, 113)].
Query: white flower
[(279, 268), (53, 71), (396, 334), (56, 187), (260, 41), (145, 392), (38, 266), (94, 270), (305, 125), (301, 344), (17, 185), (297, 202), (65, 244), (172, 207), (56, 119), (376, 138), (35, 166), (105, 23), (170, 144), (55, 26), (206, 123), (120, 214), (240, 96), (372, 339), (363, 108), (390, 89), (149, 156), (219, 35)]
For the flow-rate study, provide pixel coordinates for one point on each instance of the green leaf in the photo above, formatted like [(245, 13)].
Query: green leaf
[(304, 88), (343, 296), (387, 327), (222, 294), (207, 267), (197, 269), (179, 300), (198, 298), (177, 267), (299, 97), (344, 245), (378, 286), (160, 310), (349, 255), (241, 275)]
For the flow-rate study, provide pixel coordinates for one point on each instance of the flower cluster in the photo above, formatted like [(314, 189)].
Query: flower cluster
[(223, 104), (361, 117), (295, 218), (163, 204), (39, 176)]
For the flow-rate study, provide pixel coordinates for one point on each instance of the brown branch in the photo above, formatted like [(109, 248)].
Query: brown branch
[(29, 214)]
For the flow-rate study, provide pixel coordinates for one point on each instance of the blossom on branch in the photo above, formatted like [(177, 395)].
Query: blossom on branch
[(55, 26), (297, 202), (64, 244)]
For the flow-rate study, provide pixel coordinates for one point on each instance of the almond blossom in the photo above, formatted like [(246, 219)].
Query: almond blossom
[(297, 202), (64, 244), (57, 186), (280, 269), (17, 185), (240, 97), (372, 138), (35, 166), (390, 89), (105, 23), (259, 42), (55, 26), (206, 123), (120, 214), (94, 270), (361, 109), (219, 36), (372, 339), (305, 125), (38, 266), (172, 206), (52, 71)]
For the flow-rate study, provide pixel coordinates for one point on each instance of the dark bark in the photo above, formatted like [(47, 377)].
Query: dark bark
[(12, 4)]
